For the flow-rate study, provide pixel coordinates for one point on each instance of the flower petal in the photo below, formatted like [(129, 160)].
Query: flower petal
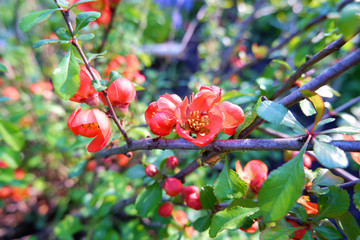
[(233, 116)]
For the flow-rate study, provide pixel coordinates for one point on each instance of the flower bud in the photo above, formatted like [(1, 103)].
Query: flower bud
[(180, 217), (171, 162), (123, 159), (165, 209), (91, 165), (189, 190), (19, 174), (121, 93), (193, 201), (151, 170), (5, 192), (172, 186)]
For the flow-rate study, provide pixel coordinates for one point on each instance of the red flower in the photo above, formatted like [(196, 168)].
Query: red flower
[(254, 173), (193, 201), (165, 210), (123, 159), (160, 115), (91, 123), (11, 92), (204, 117), (121, 93), (251, 229), (172, 186), (298, 234), (101, 6), (311, 208), (180, 217), (43, 88), (86, 93)]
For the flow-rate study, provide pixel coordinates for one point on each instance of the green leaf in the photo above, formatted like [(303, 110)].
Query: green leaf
[(207, 197), (84, 18), (324, 177), (282, 188), (356, 196), (316, 102), (332, 204), (203, 223), (47, 41), (285, 64), (66, 79), (85, 37), (325, 121), (3, 68), (92, 56), (80, 2), (11, 157), (99, 86), (330, 156), (29, 21), (63, 34), (347, 223), (343, 129), (300, 212), (12, 135), (249, 117), (230, 218), (67, 227), (148, 200), (138, 87), (278, 114), (328, 232), (229, 185), (244, 202), (77, 169), (307, 108), (114, 75), (278, 233), (349, 21)]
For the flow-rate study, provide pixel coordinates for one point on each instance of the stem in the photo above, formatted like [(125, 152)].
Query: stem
[(75, 42)]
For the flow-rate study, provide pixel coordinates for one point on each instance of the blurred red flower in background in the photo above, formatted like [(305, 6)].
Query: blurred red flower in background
[(91, 123), (43, 88), (101, 6), (11, 92)]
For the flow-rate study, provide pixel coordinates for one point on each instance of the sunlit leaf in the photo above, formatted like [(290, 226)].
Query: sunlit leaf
[(148, 200), (330, 156), (29, 21), (317, 103)]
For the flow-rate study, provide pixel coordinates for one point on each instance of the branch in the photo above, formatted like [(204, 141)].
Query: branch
[(75, 42)]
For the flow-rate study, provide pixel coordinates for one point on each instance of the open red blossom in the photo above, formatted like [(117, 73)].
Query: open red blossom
[(86, 93), (101, 6), (91, 123), (43, 88), (200, 120), (121, 93), (160, 115), (254, 173)]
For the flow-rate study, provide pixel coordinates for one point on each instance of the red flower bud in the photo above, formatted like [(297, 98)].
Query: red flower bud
[(193, 201), (151, 170), (12, 93), (19, 174), (189, 190), (5, 192), (91, 165), (171, 162), (180, 217), (172, 186), (121, 93), (3, 164), (123, 160), (165, 209)]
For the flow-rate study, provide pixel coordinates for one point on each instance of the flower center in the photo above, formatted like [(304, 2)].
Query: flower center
[(197, 120), (93, 125)]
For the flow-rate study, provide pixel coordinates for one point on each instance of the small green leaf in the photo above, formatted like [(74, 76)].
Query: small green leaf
[(84, 18), (307, 236), (66, 79), (63, 34), (330, 156), (148, 200), (12, 135), (244, 202), (316, 102), (29, 21), (85, 37), (285, 64), (99, 86), (282, 188), (77, 169), (343, 129), (47, 41), (67, 227), (349, 21), (92, 56), (3, 68), (229, 185), (230, 218), (278, 233), (207, 197), (249, 117), (324, 177), (356, 196), (347, 223), (114, 75), (325, 121), (203, 223), (307, 108), (332, 204), (80, 2), (138, 87), (328, 232), (300, 212), (278, 114)]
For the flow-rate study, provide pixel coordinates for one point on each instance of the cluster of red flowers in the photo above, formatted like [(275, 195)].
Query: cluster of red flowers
[(198, 120), (93, 122)]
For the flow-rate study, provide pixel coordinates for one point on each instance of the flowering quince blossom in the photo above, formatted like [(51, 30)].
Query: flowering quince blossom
[(87, 93), (160, 115), (101, 6), (121, 93), (43, 88), (201, 119), (11, 92), (91, 123), (254, 174)]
